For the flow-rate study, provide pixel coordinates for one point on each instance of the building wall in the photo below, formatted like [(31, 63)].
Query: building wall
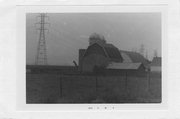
[(94, 56), (81, 54), (155, 68), (93, 60), (115, 60)]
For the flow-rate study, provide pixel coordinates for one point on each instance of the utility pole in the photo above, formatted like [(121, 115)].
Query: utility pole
[(146, 54), (41, 57), (155, 53), (141, 50)]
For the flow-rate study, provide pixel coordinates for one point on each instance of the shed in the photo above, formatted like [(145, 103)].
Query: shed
[(124, 68)]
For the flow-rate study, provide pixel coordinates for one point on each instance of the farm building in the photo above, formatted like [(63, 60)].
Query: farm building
[(104, 55), (155, 65), (125, 68)]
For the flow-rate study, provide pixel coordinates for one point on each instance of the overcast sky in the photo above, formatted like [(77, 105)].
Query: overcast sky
[(69, 32)]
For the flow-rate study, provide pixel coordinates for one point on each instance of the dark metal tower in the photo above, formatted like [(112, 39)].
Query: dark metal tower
[(41, 57)]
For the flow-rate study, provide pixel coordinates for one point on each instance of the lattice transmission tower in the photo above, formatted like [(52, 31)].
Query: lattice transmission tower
[(41, 56)]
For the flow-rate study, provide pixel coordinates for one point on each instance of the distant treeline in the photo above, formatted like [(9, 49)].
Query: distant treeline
[(51, 69), (72, 70)]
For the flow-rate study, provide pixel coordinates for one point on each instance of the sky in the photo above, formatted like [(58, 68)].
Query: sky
[(69, 32)]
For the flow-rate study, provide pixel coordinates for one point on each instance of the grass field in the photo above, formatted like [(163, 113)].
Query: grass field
[(54, 88)]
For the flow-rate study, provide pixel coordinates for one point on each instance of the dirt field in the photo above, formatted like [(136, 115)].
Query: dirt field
[(54, 88)]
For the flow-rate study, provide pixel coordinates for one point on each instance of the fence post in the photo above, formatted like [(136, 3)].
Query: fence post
[(126, 82), (96, 84), (61, 85), (149, 81)]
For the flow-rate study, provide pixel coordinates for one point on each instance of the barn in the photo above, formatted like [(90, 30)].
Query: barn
[(98, 55), (102, 55), (155, 65)]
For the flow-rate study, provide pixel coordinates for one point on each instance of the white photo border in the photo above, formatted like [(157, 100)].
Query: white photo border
[(21, 55)]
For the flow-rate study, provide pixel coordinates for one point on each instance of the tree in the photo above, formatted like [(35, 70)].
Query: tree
[(96, 38)]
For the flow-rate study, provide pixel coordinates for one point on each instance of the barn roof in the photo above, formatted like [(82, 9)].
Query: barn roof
[(92, 45), (112, 51), (156, 61), (127, 56), (136, 57), (115, 65)]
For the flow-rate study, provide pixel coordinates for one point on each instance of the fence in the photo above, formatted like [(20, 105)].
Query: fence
[(85, 88)]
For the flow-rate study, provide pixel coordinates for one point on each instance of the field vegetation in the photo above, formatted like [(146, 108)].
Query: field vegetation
[(58, 88)]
